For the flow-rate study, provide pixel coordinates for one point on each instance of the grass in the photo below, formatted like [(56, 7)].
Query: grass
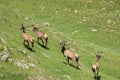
[(65, 17)]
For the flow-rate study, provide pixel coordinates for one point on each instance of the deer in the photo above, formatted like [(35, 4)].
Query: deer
[(95, 66), (27, 37), (41, 36), (69, 54)]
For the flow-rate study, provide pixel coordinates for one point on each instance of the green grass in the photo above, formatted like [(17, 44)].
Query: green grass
[(65, 17)]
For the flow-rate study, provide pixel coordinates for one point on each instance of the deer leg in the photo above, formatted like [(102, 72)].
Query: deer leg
[(42, 41), (67, 59), (30, 45), (77, 61), (97, 72), (93, 71), (46, 40), (45, 44), (33, 43), (24, 42), (76, 64), (38, 39)]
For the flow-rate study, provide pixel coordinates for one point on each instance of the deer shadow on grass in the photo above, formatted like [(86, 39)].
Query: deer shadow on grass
[(29, 48), (97, 78), (43, 46), (72, 65)]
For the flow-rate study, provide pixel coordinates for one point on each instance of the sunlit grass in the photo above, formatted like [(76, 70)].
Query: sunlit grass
[(70, 20)]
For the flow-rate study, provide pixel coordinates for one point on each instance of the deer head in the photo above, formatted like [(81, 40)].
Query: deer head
[(22, 28), (98, 56), (64, 43)]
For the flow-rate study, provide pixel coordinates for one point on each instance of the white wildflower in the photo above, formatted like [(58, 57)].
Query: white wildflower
[(26, 18)]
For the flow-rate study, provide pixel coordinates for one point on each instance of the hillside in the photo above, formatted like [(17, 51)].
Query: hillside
[(90, 26)]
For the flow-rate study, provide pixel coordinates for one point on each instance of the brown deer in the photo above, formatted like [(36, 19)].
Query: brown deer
[(27, 37), (95, 67), (69, 55), (41, 36)]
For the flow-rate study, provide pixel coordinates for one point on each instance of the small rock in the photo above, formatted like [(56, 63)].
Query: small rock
[(11, 60), (1, 75), (72, 49), (67, 76), (58, 70), (103, 9), (26, 18), (25, 66), (46, 24), (22, 65), (76, 11), (23, 51), (46, 56), (6, 49), (94, 30), (4, 57), (29, 57), (75, 32), (31, 64), (84, 20), (109, 21), (2, 40), (112, 2)]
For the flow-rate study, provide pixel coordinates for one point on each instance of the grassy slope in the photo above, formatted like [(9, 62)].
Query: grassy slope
[(99, 14)]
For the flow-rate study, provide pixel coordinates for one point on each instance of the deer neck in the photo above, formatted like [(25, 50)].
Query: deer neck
[(36, 31), (63, 49), (97, 59), (24, 31)]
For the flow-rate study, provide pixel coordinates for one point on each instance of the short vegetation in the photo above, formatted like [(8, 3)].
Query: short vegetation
[(90, 26)]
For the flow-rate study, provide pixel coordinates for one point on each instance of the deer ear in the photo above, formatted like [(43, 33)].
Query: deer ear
[(32, 25), (68, 43), (22, 25), (60, 41), (38, 27), (95, 54), (33, 28), (101, 53)]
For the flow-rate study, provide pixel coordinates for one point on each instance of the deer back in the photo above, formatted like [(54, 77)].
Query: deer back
[(42, 34), (95, 65), (70, 54), (27, 37)]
